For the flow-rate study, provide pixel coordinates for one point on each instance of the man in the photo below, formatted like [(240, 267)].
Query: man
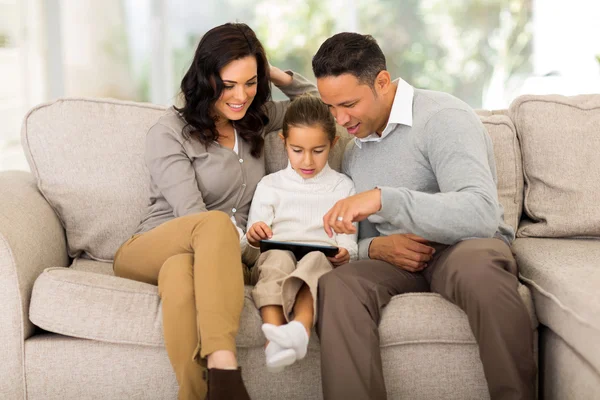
[(425, 175)]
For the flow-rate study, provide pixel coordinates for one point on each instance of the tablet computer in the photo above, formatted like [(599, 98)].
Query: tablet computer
[(299, 249)]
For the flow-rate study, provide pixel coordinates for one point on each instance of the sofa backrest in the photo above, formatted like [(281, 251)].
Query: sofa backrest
[(87, 157), (560, 142), (509, 166)]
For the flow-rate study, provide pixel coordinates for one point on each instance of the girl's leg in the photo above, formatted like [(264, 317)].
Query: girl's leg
[(270, 270), (272, 315), (303, 309), (299, 292)]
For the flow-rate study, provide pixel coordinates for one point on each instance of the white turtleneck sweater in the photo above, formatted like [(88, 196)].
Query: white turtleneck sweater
[(294, 208)]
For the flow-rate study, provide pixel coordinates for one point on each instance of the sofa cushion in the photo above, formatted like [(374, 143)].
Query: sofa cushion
[(87, 157), (509, 167), (564, 374), (65, 368), (100, 306), (564, 276), (560, 142)]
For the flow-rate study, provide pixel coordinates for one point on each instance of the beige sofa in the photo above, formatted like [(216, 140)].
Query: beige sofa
[(71, 330)]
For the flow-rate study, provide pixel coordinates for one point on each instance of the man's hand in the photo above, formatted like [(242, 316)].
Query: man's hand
[(351, 209), (257, 232), (342, 257), (407, 251)]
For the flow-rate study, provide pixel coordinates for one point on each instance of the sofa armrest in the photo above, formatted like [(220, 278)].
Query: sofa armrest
[(31, 239)]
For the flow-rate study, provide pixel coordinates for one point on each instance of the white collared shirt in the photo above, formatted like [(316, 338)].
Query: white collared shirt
[(401, 113)]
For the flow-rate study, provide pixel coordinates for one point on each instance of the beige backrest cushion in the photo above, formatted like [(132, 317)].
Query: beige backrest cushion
[(509, 168), (87, 156), (560, 142)]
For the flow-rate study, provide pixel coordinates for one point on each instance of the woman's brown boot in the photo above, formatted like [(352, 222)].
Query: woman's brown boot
[(226, 384)]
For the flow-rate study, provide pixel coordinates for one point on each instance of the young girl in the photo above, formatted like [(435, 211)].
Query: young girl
[(289, 206)]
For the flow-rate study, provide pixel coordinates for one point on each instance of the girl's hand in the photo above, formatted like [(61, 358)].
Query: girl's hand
[(278, 77), (342, 257), (257, 232)]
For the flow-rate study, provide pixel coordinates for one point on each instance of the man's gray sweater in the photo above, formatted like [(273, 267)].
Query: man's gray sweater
[(437, 178)]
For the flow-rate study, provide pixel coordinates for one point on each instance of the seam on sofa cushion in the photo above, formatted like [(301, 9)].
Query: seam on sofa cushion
[(555, 299), (418, 294), (63, 330), (444, 341), (21, 325), (51, 276)]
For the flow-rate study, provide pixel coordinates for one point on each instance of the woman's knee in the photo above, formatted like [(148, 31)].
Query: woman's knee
[(216, 222), (176, 277)]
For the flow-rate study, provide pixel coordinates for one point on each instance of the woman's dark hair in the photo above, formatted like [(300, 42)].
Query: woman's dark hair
[(350, 53), (217, 48), (308, 110)]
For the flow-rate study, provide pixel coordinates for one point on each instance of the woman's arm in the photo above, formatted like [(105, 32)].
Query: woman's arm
[(292, 85), (172, 171)]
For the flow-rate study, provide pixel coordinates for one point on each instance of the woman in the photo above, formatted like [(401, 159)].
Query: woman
[(205, 160)]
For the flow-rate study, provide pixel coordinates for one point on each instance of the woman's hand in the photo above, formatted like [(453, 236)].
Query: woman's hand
[(278, 77), (257, 232), (342, 257)]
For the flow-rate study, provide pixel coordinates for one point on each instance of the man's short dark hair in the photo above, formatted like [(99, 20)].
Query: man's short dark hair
[(349, 53)]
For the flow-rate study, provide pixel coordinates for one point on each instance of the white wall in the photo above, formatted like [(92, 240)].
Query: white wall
[(566, 41)]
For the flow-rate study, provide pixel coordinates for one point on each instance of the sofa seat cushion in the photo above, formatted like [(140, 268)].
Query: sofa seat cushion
[(564, 277), (88, 301), (97, 305)]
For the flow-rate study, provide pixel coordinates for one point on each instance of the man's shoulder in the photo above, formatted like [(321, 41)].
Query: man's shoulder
[(428, 103), (437, 111), (439, 100)]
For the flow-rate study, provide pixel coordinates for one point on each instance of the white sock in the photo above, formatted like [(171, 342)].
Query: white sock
[(290, 336), (278, 357)]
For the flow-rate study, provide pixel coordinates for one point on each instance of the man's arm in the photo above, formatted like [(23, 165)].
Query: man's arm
[(366, 233), (467, 204)]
